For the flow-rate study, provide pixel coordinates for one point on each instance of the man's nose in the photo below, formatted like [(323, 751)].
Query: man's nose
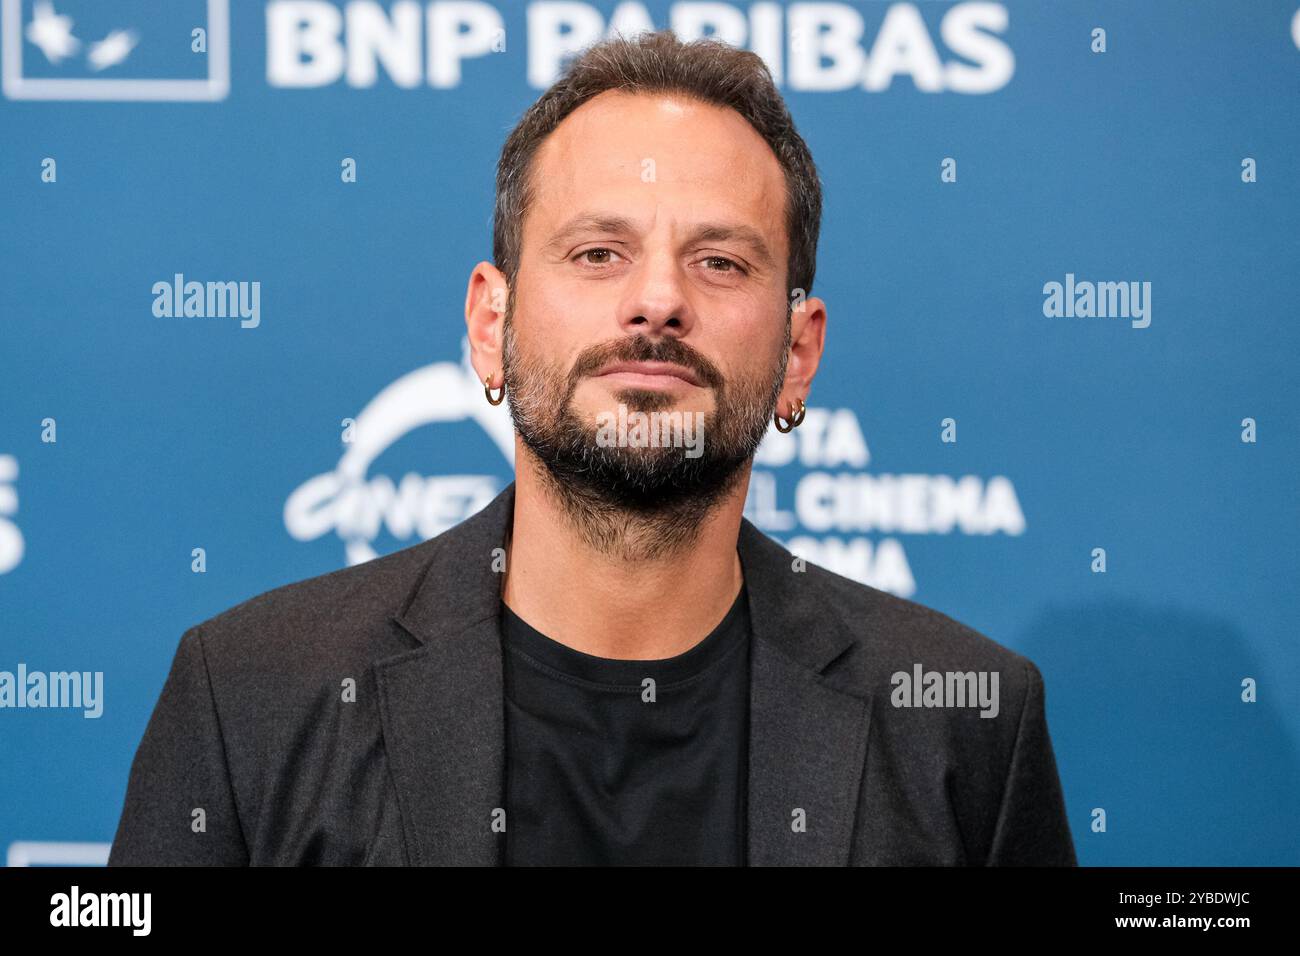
[(655, 300)]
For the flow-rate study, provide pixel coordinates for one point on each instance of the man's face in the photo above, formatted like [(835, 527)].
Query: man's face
[(656, 235)]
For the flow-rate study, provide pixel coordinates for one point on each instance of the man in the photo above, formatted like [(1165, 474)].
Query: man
[(609, 664)]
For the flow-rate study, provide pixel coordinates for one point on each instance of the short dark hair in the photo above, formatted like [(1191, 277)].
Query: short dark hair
[(707, 70)]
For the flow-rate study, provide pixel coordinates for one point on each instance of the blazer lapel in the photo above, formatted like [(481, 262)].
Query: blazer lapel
[(807, 739), (442, 707), (442, 704)]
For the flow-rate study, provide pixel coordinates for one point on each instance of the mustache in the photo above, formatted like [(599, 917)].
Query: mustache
[(642, 348)]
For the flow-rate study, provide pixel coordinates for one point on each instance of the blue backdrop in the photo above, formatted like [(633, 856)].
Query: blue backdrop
[(335, 161)]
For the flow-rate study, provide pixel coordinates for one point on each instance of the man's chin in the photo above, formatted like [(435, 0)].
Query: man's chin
[(649, 480)]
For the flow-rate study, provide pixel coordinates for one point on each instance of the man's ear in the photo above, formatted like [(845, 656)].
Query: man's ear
[(807, 339), (485, 313)]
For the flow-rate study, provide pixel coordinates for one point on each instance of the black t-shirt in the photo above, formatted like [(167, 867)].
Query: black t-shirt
[(598, 774)]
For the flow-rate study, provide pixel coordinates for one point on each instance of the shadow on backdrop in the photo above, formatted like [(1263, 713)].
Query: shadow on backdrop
[(1147, 721)]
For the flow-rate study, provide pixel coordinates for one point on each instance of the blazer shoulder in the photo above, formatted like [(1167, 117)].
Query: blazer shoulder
[(326, 617), (894, 633)]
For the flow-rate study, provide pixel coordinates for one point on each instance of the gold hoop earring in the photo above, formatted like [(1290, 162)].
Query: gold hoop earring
[(487, 390), (797, 410)]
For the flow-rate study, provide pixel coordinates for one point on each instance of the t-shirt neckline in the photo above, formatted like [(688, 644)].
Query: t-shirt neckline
[(518, 635)]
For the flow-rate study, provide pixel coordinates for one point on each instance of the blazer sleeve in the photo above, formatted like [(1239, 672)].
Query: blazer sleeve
[(179, 769), (1032, 827)]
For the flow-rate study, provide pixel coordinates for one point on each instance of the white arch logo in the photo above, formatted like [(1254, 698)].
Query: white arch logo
[(356, 505), (11, 539)]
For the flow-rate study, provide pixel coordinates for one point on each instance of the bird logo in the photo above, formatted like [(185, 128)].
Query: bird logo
[(51, 32)]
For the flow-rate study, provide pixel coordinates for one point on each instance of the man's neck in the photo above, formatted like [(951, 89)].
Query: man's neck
[(615, 597)]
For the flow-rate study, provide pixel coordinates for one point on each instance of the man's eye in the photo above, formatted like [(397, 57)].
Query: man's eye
[(601, 251), (723, 264)]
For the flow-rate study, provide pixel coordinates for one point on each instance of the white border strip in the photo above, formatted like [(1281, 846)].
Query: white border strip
[(35, 853)]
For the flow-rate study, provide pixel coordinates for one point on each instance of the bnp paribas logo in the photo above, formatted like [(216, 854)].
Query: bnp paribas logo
[(124, 50)]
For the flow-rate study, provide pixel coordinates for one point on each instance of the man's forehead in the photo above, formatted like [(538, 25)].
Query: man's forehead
[(706, 159)]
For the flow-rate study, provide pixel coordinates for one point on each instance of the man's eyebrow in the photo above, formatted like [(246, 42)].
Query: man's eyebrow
[(747, 235), (590, 222), (706, 232)]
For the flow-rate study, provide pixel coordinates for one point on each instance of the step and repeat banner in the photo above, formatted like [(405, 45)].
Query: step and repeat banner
[(1058, 400)]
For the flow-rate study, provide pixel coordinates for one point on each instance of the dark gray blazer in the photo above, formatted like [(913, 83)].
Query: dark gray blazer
[(252, 727)]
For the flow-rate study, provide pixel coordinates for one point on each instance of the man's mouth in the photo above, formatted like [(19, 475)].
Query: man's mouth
[(652, 374)]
